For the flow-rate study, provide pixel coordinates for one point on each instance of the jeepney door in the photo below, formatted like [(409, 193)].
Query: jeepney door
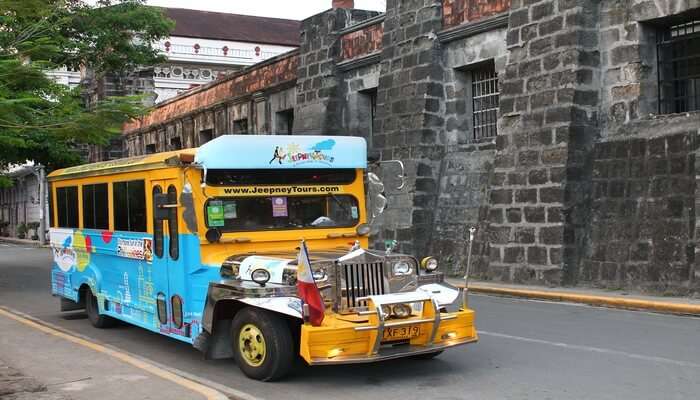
[(165, 252)]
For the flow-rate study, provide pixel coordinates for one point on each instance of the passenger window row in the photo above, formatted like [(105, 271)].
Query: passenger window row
[(129, 206)]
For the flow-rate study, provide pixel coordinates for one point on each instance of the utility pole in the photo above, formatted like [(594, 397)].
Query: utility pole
[(42, 204)]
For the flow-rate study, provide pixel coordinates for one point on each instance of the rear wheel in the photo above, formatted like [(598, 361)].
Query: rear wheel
[(262, 344), (93, 312)]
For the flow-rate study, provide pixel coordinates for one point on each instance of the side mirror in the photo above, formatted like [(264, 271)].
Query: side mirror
[(162, 206)]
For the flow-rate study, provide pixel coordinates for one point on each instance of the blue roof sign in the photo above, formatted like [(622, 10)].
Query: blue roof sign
[(282, 152)]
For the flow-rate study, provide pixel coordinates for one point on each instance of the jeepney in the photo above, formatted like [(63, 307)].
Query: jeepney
[(202, 245)]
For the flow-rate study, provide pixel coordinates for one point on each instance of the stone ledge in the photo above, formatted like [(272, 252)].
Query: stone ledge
[(359, 62), (364, 24), (474, 28)]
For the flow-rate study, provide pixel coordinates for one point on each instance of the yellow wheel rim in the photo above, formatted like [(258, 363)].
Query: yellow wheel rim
[(251, 344)]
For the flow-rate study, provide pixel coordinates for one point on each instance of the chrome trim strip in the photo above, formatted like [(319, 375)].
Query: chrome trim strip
[(411, 351), (380, 330), (436, 323)]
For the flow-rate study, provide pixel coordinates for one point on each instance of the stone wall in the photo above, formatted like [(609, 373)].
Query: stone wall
[(643, 213), (584, 182)]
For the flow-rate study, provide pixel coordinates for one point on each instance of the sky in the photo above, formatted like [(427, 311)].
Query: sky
[(289, 9)]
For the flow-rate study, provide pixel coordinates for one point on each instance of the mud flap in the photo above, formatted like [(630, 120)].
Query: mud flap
[(218, 345)]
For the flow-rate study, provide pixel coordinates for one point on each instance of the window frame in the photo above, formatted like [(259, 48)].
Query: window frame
[(128, 210), (667, 40), (65, 224), (94, 206)]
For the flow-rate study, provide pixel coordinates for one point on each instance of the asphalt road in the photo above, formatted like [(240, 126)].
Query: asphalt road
[(528, 350)]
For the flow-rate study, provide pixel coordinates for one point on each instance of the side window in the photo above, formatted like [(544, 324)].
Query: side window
[(176, 309), (162, 309), (95, 211), (172, 224), (157, 228), (52, 219), (130, 206), (67, 206)]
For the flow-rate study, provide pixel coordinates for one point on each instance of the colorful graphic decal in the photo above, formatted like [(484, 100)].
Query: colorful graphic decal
[(294, 154), (138, 249), (71, 249)]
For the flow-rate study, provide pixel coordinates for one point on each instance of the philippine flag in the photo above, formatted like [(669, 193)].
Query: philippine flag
[(306, 287)]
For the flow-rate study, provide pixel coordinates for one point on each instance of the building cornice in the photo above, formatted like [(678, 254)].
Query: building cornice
[(474, 28), (360, 62), (368, 22)]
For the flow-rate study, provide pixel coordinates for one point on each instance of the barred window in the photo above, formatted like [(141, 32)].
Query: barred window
[(679, 68), (485, 101)]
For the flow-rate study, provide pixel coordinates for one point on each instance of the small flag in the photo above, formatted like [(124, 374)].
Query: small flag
[(306, 287)]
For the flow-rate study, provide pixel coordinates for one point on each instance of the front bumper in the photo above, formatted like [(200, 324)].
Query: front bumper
[(341, 341)]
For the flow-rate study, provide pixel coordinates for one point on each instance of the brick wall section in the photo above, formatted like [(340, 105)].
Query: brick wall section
[(319, 104), (362, 42), (410, 107), (643, 216), (261, 76), (548, 111), (457, 12)]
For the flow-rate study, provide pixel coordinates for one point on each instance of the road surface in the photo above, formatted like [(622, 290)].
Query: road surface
[(528, 350)]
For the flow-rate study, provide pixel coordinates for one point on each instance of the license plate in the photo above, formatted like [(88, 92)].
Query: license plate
[(401, 333)]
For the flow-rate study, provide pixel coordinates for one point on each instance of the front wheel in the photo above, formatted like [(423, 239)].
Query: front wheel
[(262, 344), (93, 312)]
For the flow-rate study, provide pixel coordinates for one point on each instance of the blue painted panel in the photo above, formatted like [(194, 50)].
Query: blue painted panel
[(282, 152)]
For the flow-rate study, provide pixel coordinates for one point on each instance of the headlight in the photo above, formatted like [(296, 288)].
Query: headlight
[(429, 264), (319, 275), (260, 276), (386, 310), (401, 268), (402, 310)]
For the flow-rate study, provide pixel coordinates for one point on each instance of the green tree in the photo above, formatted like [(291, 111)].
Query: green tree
[(43, 121)]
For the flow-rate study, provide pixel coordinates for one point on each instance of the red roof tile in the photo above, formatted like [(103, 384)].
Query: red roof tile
[(235, 27)]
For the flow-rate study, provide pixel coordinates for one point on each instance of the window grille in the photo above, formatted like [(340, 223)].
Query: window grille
[(679, 68), (485, 101)]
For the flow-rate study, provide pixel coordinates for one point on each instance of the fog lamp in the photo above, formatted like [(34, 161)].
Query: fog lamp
[(386, 310), (429, 264), (260, 276), (401, 268), (402, 310), (363, 229)]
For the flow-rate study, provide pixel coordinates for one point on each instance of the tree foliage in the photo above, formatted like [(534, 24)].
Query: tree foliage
[(44, 121)]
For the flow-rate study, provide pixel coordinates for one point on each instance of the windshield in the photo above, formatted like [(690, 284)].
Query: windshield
[(278, 213)]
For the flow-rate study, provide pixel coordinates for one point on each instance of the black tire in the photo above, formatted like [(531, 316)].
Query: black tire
[(93, 312), (428, 356), (276, 337)]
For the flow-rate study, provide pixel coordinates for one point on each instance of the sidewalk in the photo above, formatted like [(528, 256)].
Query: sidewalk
[(43, 365), (591, 296), (22, 242)]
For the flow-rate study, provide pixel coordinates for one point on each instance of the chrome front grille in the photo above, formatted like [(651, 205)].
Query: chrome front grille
[(361, 280)]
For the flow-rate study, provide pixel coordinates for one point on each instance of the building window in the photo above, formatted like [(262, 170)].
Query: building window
[(175, 143), (285, 122), (240, 126), (95, 212), (150, 148), (679, 68), (369, 111), (205, 136), (484, 85), (130, 206), (67, 207)]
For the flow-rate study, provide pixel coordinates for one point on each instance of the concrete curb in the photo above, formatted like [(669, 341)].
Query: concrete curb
[(23, 242), (593, 300)]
